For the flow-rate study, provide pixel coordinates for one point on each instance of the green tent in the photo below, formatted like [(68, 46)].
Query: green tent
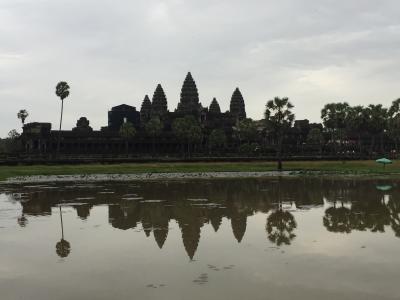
[(384, 188), (384, 161)]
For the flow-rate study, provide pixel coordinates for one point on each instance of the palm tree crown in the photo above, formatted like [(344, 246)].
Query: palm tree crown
[(22, 114), (62, 90)]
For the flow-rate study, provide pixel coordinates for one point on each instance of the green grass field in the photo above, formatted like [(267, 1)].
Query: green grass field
[(333, 167)]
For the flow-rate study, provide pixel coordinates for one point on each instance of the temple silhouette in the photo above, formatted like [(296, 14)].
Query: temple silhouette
[(41, 138)]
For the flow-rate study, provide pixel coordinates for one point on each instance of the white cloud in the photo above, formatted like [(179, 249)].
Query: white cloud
[(115, 52)]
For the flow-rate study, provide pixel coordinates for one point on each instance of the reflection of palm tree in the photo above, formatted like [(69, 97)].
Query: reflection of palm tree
[(63, 247), (337, 219), (394, 209), (280, 227), (280, 223), (62, 91), (22, 220)]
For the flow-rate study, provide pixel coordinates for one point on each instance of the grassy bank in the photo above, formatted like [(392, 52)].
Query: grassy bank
[(348, 167)]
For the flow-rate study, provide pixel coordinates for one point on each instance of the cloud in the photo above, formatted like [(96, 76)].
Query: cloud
[(114, 52)]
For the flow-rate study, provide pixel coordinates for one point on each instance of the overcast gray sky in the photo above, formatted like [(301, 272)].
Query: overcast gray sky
[(113, 52)]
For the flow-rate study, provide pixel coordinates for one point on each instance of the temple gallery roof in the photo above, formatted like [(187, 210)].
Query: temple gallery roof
[(123, 107)]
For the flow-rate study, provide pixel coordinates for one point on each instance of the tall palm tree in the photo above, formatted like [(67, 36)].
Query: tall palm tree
[(377, 124), (62, 91), (22, 115), (334, 116), (394, 122), (279, 118), (356, 123)]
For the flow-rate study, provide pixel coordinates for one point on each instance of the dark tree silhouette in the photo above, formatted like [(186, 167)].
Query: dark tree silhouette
[(334, 116), (22, 220), (377, 124), (62, 91), (187, 130), (337, 219), (154, 128), (279, 118), (22, 115), (280, 227), (127, 132), (316, 137), (217, 140), (13, 134)]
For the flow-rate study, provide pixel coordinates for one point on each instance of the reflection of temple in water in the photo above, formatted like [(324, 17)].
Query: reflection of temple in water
[(151, 206)]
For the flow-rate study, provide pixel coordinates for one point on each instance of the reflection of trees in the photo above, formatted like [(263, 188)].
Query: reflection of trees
[(368, 210), (337, 219), (280, 227), (280, 223), (394, 212), (63, 247), (22, 220), (233, 201)]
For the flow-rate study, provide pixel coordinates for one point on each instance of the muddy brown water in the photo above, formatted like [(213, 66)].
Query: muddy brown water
[(264, 238)]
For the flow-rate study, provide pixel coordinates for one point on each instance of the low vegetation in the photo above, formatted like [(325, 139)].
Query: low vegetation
[(329, 167)]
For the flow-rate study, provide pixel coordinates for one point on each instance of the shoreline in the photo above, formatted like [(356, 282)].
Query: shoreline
[(176, 171), (144, 176), (149, 176)]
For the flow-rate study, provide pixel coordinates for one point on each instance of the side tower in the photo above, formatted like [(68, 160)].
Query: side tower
[(159, 105), (145, 110), (214, 107), (237, 107)]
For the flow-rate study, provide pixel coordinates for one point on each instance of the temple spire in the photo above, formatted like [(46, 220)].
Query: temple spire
[(159, 102), (189, 101), (160, 235), (145, 110), (238, 223), (237, 106), (214, 107)]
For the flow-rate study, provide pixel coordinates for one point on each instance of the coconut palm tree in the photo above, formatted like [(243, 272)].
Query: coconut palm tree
[(22, 115), (62, 91), (279, 118)]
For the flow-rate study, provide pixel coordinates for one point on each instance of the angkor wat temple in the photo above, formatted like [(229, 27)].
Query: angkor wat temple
[(42, 139)]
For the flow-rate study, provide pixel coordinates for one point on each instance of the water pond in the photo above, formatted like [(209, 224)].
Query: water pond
[(265, 238)]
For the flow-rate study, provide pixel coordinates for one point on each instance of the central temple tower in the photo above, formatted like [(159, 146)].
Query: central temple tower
[(189, 102)]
